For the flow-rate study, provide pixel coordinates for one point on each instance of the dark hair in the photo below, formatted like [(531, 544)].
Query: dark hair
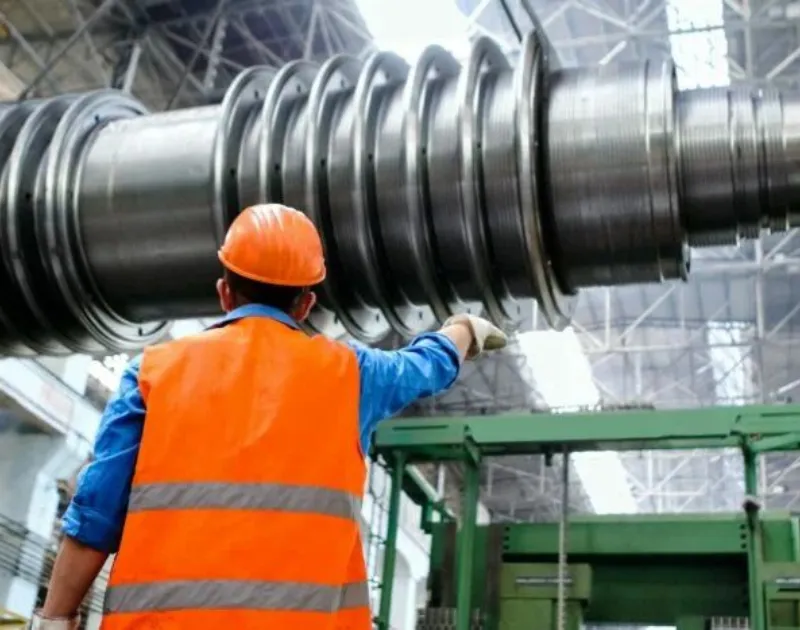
[(248, 291)]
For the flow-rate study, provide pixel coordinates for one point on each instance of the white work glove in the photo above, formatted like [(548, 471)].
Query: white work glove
[(485, 335), (62, 623)]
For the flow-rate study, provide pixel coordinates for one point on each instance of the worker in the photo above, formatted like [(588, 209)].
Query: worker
[(229, 466)]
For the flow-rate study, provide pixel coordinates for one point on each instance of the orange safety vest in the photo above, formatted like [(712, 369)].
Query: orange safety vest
[(244, 509)]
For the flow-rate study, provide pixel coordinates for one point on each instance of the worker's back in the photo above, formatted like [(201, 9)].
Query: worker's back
[(230, 524)]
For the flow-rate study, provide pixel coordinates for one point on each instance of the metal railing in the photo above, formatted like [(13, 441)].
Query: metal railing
[(29, 556)]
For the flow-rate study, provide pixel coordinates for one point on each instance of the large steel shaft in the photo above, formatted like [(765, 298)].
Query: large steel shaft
[(437, 188)]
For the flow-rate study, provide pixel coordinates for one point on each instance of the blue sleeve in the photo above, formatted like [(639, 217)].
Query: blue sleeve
[(393, 379), (96, 514)]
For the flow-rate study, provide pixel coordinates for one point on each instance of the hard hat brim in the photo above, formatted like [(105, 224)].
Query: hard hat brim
[(281, 282)]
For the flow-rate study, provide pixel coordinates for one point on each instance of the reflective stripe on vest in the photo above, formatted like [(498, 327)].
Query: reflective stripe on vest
[(235, 594), (244, 496), (239, 594)]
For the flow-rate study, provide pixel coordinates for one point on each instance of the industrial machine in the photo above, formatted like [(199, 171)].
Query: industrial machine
[(664, 570), (438, 189)]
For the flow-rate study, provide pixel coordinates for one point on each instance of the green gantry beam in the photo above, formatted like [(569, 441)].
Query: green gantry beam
[(434, 439)]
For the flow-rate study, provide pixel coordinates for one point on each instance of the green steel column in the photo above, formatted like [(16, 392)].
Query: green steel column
[(754, 546), (795, 540), (466, 544), (390, 545)]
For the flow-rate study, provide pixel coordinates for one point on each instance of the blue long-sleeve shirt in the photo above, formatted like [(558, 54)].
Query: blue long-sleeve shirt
[(389, 382)]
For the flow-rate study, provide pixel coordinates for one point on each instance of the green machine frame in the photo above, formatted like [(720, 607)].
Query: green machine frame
[(677, 570)]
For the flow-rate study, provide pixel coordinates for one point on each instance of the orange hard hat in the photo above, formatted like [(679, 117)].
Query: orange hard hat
[(274, 244)]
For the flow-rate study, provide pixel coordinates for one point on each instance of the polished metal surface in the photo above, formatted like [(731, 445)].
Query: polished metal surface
[(147, 213), (612, 163), (438, 188), (739, 151)]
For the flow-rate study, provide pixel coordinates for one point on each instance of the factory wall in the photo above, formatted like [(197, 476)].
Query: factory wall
[(45, 435), (413, 547)]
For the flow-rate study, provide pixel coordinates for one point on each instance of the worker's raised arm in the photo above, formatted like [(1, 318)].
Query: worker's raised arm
[(393, 379)]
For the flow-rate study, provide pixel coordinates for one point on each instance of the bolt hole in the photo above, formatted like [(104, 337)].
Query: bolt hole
[(323, 162), (342, 83), (299, 89), (370, 157), (277, 168), (96, 118), (140, 332), (424, 151), (479, 145), (336, 320), (233, 172), (419, 315), (28, 196), (256, 95)]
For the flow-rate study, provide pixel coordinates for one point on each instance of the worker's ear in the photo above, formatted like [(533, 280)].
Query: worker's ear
[(225, 296), (304, 305)]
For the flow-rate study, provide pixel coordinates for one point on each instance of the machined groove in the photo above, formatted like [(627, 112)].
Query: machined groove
[(530, 82), (394, 146), (438, 188), (37, 310), (410, 241)]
